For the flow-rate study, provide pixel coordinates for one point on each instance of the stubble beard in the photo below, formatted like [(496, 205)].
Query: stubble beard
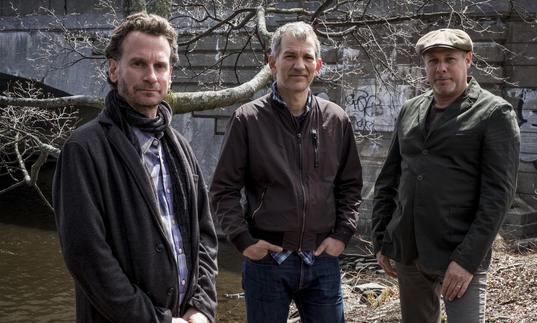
[(130, 95)]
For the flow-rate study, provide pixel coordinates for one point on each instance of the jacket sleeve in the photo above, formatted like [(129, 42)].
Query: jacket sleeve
[(204, 298), (386, 187), (499, 168), (228, 180), (78, 207), (347, 187)]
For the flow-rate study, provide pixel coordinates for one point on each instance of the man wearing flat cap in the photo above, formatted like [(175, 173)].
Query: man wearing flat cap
[(445, 187)]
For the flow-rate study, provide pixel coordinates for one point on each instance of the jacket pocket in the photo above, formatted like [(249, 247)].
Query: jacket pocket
[(459, 221), (465, 141), (260, 204)]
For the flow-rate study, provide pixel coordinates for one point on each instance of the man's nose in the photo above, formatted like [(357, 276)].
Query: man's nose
[(441, 67), (150, 75), (299, 64)]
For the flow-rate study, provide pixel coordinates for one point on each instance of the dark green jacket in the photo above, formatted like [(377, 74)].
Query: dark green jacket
[(442, 196)]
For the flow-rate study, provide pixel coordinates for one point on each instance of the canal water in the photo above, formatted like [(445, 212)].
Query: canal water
[(35, 286)]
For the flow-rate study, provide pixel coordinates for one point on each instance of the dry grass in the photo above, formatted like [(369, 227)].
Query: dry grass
[(511, 291)]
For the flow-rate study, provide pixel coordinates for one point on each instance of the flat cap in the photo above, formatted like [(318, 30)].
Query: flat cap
[(448, 38)]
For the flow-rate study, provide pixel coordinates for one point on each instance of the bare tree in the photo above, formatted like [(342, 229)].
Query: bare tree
[(369, 38), (382, 31), (28, 136)]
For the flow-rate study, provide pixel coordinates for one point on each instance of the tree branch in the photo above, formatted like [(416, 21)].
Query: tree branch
[(180, 102), (87, 100), (184, 102)]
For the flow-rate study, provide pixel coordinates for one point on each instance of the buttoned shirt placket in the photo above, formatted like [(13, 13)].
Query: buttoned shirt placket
[(157, 168)]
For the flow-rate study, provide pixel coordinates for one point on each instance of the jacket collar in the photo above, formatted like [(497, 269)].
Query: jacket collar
[(469, 96)]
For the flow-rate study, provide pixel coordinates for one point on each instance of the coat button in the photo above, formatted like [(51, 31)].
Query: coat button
[(420, 178), (159, 248), (171, 290), (425, 152), (155, 142)]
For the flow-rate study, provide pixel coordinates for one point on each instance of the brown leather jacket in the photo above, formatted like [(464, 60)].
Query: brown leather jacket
[(301, 185)]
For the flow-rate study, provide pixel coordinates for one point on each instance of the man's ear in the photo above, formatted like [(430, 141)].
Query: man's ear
[(318, 66), (468, 59), (113, 70), (272, 64)]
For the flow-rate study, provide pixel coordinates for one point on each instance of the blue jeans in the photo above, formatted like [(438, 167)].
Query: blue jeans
[(316, 290)]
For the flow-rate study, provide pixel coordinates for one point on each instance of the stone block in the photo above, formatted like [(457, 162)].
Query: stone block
[(220, 126), (522, 54), (527, 183), (517, 232), (216, 113), (524, 76), (197, 79), (485, 77), (204, 60), (489, 51), (522, 32), (217, 41), (520, 221)]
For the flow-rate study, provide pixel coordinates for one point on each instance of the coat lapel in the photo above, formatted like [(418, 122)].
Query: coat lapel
[(131, 158), (423, 110), (467, 98)]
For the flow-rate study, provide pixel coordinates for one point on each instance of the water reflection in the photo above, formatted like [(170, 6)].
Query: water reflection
[(34, 283), (36, 286)]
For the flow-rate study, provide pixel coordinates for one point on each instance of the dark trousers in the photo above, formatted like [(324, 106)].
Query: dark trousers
[(420, 289), (316, 289)]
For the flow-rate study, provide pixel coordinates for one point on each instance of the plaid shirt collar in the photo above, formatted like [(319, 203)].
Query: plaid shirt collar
[(276, 97), (145, 140)]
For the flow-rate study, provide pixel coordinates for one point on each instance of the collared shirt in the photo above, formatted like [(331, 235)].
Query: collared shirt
[(307, 256), (276, 97), (157, 168)]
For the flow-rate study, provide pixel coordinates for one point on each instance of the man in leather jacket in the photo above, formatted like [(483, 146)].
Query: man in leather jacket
[(295, 156)]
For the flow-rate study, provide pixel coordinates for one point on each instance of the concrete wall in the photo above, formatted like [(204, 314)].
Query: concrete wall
[(370, 106)]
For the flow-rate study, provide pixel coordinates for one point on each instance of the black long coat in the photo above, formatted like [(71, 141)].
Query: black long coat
[(110, 234)]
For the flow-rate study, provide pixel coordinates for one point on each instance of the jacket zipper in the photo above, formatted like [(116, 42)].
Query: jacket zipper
[(300, 169), (315, 139)]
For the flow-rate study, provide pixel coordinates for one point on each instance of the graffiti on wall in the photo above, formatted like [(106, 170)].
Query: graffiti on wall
[(373, 108), (363, 107)]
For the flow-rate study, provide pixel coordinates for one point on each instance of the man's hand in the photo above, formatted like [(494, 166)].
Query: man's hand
[(194, 316), (456, 281), (260, 249), (384, 262), (178, 320), (331, 246)]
